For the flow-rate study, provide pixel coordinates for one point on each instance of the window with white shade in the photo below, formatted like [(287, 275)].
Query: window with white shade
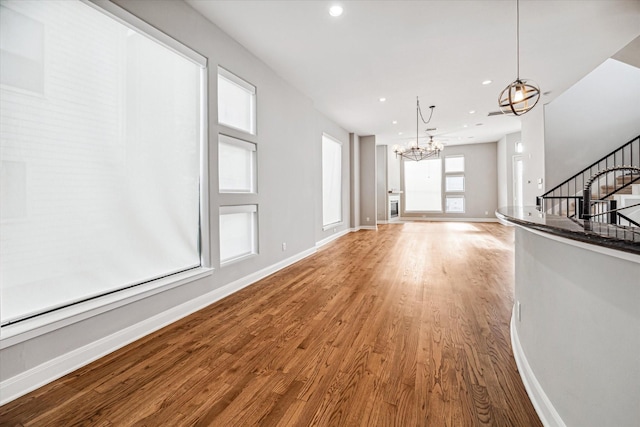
[(453, 164), (238, 232), (236, 165), (236, 102), (101, 181), (331, 181), (454, 183), (454, 204), (423, 185)]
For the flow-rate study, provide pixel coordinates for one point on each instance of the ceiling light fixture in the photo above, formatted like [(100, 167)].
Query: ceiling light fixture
[(335, 10), (395, 122), (383, 99), (487, 82), (521, 95), (414, 150), (472, 112)]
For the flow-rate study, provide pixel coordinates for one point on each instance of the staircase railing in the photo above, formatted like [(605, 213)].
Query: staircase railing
[(565, 199)]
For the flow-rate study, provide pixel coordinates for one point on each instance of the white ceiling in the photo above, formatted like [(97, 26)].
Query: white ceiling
[(440, 51)]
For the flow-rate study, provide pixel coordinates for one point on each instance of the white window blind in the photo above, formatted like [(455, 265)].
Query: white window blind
[(454, 204), (454, 183), (238, 232), (236, 165), (101, 190), (453, 164), (236, 102), (423, 185), (331, 181)]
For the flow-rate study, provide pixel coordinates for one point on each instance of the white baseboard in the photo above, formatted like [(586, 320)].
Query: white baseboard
[(21, 384), (541, 403), (454, 219), (332, 238), (368, 227)]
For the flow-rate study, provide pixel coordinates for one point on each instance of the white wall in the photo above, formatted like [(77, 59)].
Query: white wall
[(393, 171), (579, 330), (289, 173), (506, 150), (594, 117), (533, 143)]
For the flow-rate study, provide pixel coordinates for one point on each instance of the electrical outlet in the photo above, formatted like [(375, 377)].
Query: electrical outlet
[(334, 230), (519, 311), (367, 219), (284, 246), (486, 212)]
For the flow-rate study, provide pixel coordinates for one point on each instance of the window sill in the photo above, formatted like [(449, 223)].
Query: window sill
[(45, 323), (334, 225)]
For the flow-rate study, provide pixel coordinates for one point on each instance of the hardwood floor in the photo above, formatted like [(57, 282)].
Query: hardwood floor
[(406, 326)]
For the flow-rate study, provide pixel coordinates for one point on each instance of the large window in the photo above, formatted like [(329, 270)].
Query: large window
[(331, 181), (101, 156), (423, 185)]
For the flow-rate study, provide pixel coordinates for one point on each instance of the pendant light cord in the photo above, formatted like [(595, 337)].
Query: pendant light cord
[(420, 112), (518, 37)]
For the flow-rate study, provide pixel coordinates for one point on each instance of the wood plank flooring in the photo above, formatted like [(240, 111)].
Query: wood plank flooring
[(406, 326)]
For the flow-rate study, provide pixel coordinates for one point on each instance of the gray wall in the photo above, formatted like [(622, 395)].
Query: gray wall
[(354, 182), (481, 182), (579, 328), (288, 137), (595, 116), (368, 199), (533, 143), (381, 182)]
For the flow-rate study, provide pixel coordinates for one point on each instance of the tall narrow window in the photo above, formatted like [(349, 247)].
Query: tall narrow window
[(236, 165), (331, 181), (423, 185), (238, 232), (454, 183), (102, 180), (236, 102)]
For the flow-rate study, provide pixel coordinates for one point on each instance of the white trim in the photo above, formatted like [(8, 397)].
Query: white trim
[(332, 225), (332, 238), (147, 30), (21, 384), (369, 227), (31, 328), (541, 403), (440, 219)]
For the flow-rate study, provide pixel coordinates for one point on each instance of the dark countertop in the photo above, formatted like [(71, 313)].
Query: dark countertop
[(625, 239)]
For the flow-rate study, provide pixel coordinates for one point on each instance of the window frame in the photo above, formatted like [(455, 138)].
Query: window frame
[(246, 85), (406, 192), (31, 327), (455, 196), (248, 146), (340, 221), (235, 209)]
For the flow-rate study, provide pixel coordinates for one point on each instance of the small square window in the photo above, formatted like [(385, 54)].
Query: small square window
[(453, 164), (236, 102), (454, 183), (454, 204), (236, 165), (238, 232)]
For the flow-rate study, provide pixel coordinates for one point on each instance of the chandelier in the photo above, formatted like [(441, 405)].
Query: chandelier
[(414, 150), (521, 95)]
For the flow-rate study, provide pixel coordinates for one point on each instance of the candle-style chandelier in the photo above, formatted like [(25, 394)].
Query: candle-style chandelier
[(415, 150)]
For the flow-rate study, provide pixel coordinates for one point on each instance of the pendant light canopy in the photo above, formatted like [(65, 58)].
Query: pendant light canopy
[(521, 95)]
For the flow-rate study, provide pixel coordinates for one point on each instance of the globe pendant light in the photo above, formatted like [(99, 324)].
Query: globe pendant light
[(521, 95)]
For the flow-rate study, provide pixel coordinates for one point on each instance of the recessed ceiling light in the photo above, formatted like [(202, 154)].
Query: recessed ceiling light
[(472, 112), (383, 99), (399, 133), (487, 82), (335, 10), (395, 122), (465, 126)]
